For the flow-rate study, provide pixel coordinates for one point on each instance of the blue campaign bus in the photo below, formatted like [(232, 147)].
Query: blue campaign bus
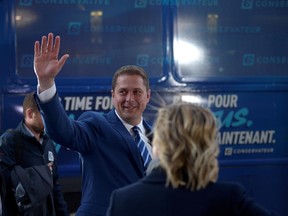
[(230, 56)]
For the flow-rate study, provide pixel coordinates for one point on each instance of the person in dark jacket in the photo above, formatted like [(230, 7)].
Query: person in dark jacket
[(28, 146), (184, 179)]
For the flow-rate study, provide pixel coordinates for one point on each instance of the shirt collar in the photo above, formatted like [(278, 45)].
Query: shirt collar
[(129, 126), (32, 135)]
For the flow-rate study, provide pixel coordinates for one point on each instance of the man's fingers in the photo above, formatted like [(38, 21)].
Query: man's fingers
[(63, 60), (47, 45), (50, 46), (50, 42), (36, 49), (56, 47), (43, 44)]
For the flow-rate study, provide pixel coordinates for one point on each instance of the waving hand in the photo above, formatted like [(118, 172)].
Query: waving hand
[(46, 63)]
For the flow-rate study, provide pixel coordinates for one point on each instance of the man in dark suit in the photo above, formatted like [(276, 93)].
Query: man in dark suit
[(109, 153), (183, 179)]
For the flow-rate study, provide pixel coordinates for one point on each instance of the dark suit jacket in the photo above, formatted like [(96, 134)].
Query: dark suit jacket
[(109, 155), (149, 196)]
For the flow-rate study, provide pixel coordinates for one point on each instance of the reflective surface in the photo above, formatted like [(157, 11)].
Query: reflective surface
[(195, 40)]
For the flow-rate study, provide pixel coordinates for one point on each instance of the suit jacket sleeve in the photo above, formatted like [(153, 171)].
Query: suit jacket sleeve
[(60, 128), (59, 202)]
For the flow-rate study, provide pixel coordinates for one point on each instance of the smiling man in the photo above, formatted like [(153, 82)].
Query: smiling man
[(110, 155), (130, 93)]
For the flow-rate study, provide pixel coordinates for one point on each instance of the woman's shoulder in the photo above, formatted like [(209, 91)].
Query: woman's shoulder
[(227, 188)]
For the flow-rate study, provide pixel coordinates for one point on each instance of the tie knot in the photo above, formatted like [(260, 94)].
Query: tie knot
[(136, 129)]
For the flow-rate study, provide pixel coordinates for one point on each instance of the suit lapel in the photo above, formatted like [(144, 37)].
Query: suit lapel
[(127, 138), (148, 131)]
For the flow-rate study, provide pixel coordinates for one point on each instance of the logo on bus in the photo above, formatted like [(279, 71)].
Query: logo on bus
[(248, 59), (25, 2), (74, 28), (247, 4)]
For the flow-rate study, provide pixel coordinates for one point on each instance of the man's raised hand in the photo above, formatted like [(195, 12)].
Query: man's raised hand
[(46, 63)]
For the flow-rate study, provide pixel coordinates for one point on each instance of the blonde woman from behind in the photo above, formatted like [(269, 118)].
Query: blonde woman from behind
[(183, 178)]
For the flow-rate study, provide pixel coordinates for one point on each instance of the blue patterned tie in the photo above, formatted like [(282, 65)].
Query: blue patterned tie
[(142, 147)]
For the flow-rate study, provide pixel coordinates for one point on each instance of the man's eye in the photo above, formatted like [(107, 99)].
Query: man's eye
[(138, 92)]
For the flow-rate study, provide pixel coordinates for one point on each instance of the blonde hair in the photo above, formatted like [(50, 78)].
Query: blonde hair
[(184, 138)]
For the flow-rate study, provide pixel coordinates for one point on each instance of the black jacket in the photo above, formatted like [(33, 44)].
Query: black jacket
[(150, 196), (31, 153)]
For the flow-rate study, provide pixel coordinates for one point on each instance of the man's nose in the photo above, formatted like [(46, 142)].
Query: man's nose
[(129, 96)]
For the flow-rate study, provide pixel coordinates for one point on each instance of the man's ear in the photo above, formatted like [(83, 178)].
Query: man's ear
[(29, 113), (149, 94)]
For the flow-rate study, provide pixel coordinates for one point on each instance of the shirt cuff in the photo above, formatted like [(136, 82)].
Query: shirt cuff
[(47, 94)]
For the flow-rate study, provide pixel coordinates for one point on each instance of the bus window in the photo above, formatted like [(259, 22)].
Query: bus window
[(99, 37), (218, 41)]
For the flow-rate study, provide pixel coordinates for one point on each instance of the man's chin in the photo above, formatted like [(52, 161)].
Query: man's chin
[(129, 116)]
